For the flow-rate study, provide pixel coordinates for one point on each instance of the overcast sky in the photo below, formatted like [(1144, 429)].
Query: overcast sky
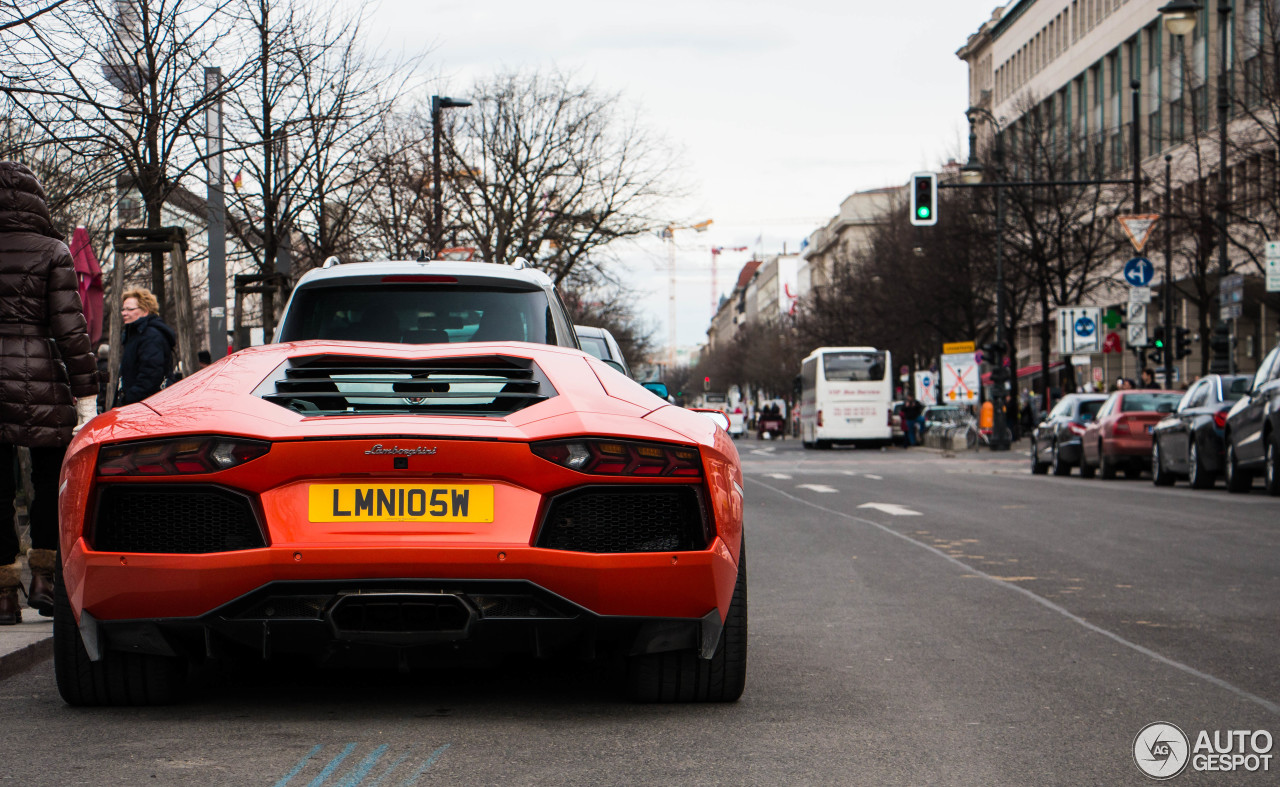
[(780, 110)]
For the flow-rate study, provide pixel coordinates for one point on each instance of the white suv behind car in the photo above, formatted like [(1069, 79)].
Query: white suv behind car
[(426, 303)]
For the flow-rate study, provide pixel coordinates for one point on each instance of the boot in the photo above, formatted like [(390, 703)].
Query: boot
[(40, 597), (10, 583)]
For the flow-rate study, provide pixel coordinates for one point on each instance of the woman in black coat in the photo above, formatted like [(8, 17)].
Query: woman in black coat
[(48, 378), (148, 347)]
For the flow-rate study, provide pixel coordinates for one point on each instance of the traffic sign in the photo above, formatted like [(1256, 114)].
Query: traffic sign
[(1139, 271), (1137, 317), (927, 387), (959, 379), (1097, 374), (1139, 295), (1079, 330), (1230, 311), (1112, 318), (1137, 335), (1138, 227), (1273, 266), (958, 348)]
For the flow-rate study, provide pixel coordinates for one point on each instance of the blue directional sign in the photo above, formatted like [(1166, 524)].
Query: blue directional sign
[(1139, 271), (1085, 327)]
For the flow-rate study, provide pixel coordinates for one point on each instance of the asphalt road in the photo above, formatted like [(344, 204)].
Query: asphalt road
[(915, 619)]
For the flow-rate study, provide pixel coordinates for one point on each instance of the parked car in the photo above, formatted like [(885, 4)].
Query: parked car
[(1189, 443), (1055, 441), (600, 343), (936, 415), (1119, 437), (376, 504), (737, 422), (896, 425), (1253, 431)]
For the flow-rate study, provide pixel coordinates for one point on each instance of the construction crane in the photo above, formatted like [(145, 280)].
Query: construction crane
[(669, 235)]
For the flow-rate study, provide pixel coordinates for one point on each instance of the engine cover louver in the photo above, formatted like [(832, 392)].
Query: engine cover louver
[(486, 386)]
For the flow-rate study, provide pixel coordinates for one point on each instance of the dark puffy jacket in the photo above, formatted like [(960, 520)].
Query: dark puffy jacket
[(148, 354), (45, 359)]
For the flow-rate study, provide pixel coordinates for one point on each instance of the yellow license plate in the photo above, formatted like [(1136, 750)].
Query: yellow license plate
[(399, 503)]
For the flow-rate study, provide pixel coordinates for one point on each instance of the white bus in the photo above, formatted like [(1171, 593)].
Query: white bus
[(845, 397)]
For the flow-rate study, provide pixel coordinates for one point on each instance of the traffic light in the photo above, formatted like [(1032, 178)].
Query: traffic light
[(924, 199), (1181, 343), (706, 383)]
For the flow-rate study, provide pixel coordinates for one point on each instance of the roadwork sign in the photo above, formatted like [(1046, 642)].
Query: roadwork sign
[(959, 379)]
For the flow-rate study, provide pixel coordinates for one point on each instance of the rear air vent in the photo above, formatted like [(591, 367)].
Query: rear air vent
[(487, 386)]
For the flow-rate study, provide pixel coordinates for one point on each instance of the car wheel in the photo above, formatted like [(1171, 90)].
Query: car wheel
[(1238, 481), (1199, 475), (1086, 470), (682, 676), (1037, 467), (1159, 475), (117, 678), (1060, 467), (1271, 473), (1106, 469)]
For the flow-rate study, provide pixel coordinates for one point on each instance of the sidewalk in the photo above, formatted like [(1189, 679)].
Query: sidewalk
[(28, 643)]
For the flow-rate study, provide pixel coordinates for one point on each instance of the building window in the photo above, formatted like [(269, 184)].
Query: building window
[(1177, 120)]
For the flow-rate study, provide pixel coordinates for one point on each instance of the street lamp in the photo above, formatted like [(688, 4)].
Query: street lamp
[(1180, 20), (971, 174), (437, 195)]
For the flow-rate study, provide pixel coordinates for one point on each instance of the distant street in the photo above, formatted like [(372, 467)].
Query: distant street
[(915, 619)]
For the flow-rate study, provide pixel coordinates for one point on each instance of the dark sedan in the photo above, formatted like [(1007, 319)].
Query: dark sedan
[(1189, 443), (1055, 442), (1253, 431)]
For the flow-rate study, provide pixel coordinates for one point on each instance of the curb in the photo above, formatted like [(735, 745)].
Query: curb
[(26, 657)]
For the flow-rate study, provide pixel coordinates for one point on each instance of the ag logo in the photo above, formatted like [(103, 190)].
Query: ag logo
[(1161, 750)]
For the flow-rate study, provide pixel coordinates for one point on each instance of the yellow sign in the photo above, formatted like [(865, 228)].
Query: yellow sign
[(399, 503), (957, 348)]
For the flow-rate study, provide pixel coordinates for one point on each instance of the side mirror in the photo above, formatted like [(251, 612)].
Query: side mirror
[(658, 388), (720, 418)]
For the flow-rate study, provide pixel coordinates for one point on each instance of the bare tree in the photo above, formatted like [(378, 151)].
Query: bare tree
[(612, 306), (554, 172), (120, 81), (11, 17)]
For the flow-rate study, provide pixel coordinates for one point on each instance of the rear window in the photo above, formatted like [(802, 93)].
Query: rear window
[(853, 366), (425, 314), (595, 346), (1238, 388), (1089, 409), (1149, 403)]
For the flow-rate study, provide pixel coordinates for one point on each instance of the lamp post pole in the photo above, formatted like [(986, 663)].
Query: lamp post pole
[(1223, 354), (1171, 344), (438, 103)]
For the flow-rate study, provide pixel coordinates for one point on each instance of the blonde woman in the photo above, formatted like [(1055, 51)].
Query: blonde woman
[(148, 347)]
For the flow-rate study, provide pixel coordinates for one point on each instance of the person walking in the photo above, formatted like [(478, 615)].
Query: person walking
[(48, 380), (148, 348)]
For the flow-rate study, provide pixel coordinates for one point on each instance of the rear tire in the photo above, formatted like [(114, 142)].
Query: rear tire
[(1271, 473), (1037, 467), (1106, 469), (1159, 475), (1086, 470), (1199, 476), (118, 678), (681, 676), (1060, 467), (1238, 481)]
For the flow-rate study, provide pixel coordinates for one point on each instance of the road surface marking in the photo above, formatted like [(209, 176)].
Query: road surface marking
[(1044, 602), (849, 472), (824, 489), (875, 477), (766, 451), (890, 508), (779, 476)]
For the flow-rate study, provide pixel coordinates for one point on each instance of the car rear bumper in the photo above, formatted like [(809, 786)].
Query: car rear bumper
[(1069, 451), (395, 622), (1132, 446)]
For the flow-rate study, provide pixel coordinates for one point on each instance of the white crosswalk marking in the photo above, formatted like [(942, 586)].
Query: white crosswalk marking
[(874, 477), (823, 488), (779, 476), (890, 508)]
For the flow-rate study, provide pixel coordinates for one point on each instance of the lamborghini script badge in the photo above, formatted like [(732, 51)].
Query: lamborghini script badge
[(396, 450)]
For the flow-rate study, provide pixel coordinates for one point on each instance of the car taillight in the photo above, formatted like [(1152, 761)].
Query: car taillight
[(1076, 428), (179, 456), (1220, 419), (621, 457), (819, 418), (1121, 427)]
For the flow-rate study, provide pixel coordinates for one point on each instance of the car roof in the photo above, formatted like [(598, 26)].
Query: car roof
[(461, 270), (588, 330)]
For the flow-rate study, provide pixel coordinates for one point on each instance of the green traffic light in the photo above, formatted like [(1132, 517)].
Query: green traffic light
[(1159, 343), (922, 211)]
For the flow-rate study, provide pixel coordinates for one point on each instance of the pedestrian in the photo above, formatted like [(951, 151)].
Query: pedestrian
[(48, 380), (148, 348), (913, 415), (1148, 378), (203, 359), (104, 375)]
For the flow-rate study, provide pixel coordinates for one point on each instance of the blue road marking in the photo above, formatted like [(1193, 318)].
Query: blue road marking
[(391, 769), (332, 766), (362, 770), (297, 768), (435, 755)]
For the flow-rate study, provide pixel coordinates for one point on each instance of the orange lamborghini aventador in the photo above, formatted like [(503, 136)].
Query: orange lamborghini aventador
[(391, 503)]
